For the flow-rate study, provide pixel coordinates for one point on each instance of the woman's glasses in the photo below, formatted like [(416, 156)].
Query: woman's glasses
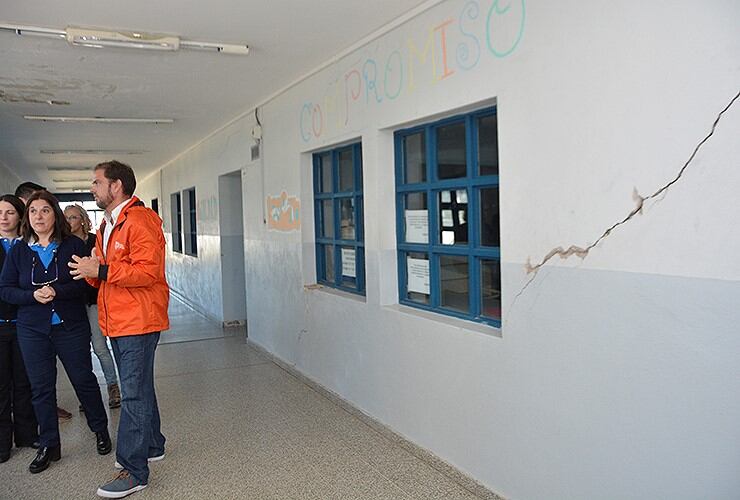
[(44, 283)]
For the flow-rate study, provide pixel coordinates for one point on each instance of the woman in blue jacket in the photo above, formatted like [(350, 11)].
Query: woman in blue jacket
[(52, 321), (17, 420)]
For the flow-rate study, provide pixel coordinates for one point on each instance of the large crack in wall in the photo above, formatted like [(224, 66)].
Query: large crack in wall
[(582, 252)]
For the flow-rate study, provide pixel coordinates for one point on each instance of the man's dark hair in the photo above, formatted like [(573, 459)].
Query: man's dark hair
[(26, 189), (117, 171), (61, 226)]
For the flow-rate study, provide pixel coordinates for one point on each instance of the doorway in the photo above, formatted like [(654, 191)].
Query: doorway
[(231, 230)]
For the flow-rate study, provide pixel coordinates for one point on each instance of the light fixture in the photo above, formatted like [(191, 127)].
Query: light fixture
[(77, 180), (97, 152), (69, 169), (96, 119), (100, 38)]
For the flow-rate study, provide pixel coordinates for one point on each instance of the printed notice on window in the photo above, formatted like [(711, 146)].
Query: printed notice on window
[(348, 262), (417, 272), (417, 226)]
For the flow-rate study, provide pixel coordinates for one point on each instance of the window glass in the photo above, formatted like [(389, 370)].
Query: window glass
[(487, 145), (347, 221), (415, 158), (328, 218), (451, 158), (416, 218), (489, 218), (490, 288), (453, 217), (346, 171), (417, 277), (329, 262), (326, 177), (454, 279)]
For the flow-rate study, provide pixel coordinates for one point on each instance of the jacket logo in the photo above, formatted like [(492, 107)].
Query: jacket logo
[(118, 246)]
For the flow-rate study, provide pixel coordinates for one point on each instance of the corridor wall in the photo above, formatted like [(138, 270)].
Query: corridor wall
[(613, 375)]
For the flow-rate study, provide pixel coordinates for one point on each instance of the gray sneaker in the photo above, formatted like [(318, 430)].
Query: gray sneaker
[(157, 458), (122, 485)]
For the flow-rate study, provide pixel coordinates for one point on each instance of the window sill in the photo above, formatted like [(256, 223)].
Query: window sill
[(335, 291), (461, 324)]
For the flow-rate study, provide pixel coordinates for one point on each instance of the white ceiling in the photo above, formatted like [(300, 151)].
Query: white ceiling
[(201, 91)]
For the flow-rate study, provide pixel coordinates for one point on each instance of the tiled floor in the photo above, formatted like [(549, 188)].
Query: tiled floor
[(238, 426)]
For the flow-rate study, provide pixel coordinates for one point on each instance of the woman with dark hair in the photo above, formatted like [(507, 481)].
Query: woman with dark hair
[(17, 420), (52, 321)]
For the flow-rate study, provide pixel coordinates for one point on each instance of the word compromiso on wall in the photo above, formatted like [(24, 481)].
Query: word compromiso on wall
[(477, 30)]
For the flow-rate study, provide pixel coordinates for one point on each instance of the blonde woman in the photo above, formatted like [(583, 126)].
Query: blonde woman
[(80, 225)]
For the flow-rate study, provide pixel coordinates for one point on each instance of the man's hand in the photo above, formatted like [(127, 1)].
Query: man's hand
[(44, 295), (84, 267)]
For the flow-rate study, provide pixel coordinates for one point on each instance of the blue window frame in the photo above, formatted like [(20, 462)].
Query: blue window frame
[(447, 188), (176, 219), (340, 239)]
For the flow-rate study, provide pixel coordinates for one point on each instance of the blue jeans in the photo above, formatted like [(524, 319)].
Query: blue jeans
[(100, 346), (139, 434), (70, 341)]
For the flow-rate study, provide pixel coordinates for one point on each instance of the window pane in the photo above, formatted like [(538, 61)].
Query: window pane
[(416, 218), (453, 217), (454, 282), (414, 148), (488, 145), (329, 263), (346, 171), (417, 277), (490, 234), (326, 179), (490, 288), (349, 266), (347, 221), (327, 218), (451, 161)]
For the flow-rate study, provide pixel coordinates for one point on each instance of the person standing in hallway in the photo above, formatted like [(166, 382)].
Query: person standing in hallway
[(17, 419), (24, 191), (52, 321), (80, 225), (128, 267)]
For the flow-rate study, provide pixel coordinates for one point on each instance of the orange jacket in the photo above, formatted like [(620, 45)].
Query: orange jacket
[(133, 295)]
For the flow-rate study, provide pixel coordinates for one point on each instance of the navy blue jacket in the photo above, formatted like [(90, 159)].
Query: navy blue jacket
[(8, 312), (16, 287)]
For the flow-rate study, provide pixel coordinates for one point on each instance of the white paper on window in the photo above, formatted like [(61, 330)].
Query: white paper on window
[(417, 226), (446, 197), (348, 262), (462, 196), (417, 272), (448, 237), (447, 219)]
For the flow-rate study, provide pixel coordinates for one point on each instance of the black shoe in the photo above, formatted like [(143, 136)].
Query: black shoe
[(102, 439), (4, 456), (44, 456), (33, 444)]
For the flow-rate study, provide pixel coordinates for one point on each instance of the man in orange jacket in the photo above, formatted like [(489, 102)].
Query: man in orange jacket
[(128, 268)]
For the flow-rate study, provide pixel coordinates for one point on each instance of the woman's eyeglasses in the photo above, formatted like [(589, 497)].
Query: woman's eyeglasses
[(73, 217), (56, 272)]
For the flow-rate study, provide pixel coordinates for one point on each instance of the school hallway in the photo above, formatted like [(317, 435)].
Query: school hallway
[(237, 426)]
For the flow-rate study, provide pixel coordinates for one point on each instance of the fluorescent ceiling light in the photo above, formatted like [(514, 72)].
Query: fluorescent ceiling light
[(96, 119), (97, 152), (100, 38), (71, 180), (68, 169)]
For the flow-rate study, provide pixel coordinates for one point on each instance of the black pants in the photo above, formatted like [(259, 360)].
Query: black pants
[(17, 419), (71, 342)]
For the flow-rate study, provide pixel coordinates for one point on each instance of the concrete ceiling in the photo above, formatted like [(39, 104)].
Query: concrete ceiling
[(201, 91)]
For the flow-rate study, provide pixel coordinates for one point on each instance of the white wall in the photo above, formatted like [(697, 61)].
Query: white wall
[(8, 180), (612, 377)]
